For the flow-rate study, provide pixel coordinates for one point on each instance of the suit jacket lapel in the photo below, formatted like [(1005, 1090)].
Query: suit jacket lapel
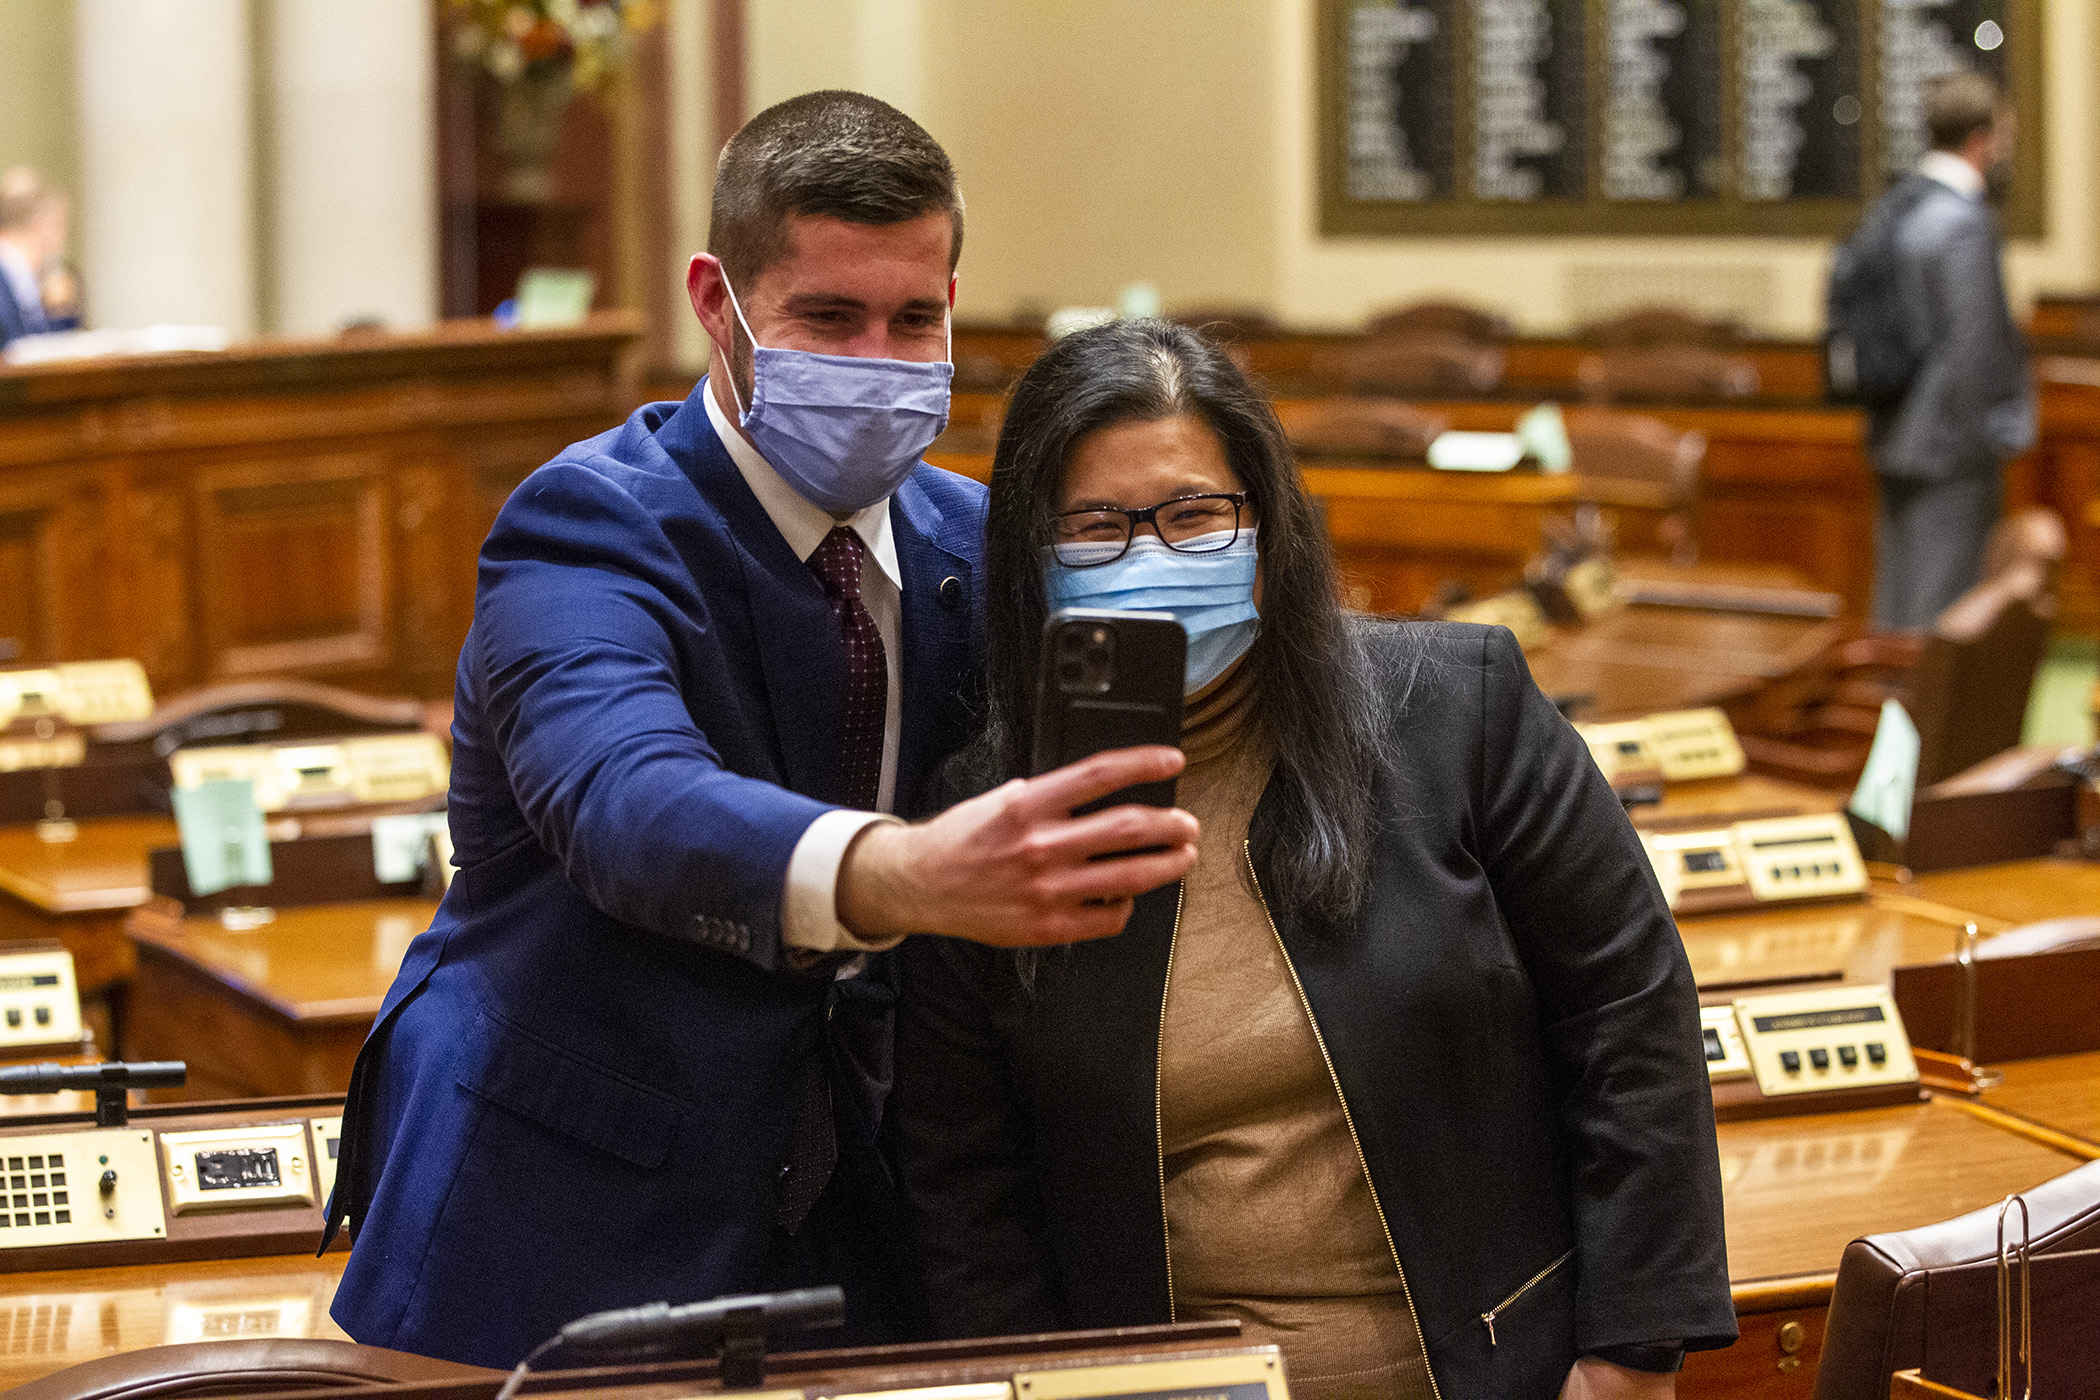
[(799, 652), (936, 638)]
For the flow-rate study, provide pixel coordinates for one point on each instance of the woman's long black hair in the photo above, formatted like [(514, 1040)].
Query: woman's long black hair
[(1312, 681)]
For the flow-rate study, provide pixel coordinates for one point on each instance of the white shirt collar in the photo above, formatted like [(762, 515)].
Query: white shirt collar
[(1953, 172), (21, 279), (802, 523)]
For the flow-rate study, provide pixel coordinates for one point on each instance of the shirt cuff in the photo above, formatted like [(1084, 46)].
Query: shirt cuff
[(809, 912)]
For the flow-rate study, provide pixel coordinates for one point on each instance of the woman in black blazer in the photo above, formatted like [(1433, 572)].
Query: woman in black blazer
[(1407, 1075)]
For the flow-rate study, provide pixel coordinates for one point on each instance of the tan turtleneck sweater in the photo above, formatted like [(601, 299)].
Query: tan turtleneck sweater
[(1270, 1217)]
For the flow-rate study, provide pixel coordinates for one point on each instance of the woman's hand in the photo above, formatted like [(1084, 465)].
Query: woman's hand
[(1593, 1378)]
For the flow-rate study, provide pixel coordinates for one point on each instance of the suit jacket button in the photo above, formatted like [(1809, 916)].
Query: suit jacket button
[(951, 592)]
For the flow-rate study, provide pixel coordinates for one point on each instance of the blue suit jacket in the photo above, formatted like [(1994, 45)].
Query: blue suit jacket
[(581, 1090), (13, 323)]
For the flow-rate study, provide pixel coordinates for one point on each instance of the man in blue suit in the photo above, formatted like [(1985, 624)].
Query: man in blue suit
[(642, 1051), (32, 240)]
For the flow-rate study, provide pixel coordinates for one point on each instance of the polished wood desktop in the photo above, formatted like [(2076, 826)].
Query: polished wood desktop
[(49, 1321), (80, 891), (1638, 660), (278, 1009), (2061, 1092), (1741, 798), (1857, 940), (1798, 1190), (145, 498), (2019, 891)]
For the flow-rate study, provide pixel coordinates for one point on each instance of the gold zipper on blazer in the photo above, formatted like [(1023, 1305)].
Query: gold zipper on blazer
[(1534, 1281), (1348, 1119), (1159, 1112)]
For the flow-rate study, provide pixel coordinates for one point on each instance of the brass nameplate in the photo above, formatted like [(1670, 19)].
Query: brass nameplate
[(1518, 611), (1757, 862), (1677, 746), (1825, 1038), (64, 750), (376, 768), (233, 1168), (1254, 1375), (39, 998), (77, 692)]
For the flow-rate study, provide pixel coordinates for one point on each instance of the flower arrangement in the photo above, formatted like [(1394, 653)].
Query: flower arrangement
[(582, 41)]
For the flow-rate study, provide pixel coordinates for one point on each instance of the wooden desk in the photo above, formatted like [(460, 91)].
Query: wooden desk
[(2019, 891), (1798, 1190), (280, 1009), (79, 892), (2060, 1092), (146, 496), (1734, 799), (1855, 941), (51, 1321), (1640, 659)]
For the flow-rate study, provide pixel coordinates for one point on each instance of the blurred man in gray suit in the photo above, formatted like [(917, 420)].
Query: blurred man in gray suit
[(1939, 451)]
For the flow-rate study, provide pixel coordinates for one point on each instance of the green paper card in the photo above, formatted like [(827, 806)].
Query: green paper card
[(223, 842), (554, 297), (1890, 778)]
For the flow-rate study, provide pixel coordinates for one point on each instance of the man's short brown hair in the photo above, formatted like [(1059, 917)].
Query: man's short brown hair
[(844, 154), (1958, 105), (23, 196)]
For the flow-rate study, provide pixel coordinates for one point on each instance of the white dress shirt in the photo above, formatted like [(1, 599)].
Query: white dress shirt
[(809, 908), (1953, 172)]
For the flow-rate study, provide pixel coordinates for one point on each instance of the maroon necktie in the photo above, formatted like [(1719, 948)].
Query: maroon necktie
[(837, 563), (813, 1155)]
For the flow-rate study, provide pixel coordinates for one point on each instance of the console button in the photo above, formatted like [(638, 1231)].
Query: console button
[(1848, 1056), (1877, 1052), (1819, 1057), (1790, 1061)]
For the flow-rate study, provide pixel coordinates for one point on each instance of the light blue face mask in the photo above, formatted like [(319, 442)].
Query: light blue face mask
[(1211, 595), (843, 431)]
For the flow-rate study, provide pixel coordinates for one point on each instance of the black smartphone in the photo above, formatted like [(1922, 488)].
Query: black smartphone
[(1109, 680)]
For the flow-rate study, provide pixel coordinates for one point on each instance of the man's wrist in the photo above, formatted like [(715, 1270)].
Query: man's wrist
[(1660, 1358), (868, 880)]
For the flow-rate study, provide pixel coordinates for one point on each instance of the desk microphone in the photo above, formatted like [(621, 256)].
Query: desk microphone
[(736, 1327), (692, 1327)]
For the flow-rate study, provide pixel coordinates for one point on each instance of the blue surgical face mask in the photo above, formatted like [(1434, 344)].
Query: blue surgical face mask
[(1210, 594), (843, 431)]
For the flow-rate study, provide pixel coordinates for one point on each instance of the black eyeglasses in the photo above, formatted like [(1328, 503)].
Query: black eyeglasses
[(1086, 539)]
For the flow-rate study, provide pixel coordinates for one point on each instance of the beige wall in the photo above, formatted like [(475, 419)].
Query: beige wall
[(1102, 142), (1107, 141), (36, 89)]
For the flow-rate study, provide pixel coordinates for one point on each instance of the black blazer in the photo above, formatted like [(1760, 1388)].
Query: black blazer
[(1510, 1017)]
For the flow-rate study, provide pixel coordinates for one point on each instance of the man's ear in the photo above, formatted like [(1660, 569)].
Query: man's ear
[(951, 291), (708, 291)]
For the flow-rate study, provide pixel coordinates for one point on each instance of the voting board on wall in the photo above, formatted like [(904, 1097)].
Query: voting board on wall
[(1649, 116)]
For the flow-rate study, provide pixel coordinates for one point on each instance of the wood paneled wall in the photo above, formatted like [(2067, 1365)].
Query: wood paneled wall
[(301, 508)]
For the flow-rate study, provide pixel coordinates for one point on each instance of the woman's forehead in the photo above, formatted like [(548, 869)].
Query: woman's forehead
[(1156, 459)]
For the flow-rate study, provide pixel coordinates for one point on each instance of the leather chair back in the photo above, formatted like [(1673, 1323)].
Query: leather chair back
[(1439, 318), (1666, 374), (248, 1366), (1373, 428), (1648, 327), (1928, 1298), (1969, 693), (1423, 366)]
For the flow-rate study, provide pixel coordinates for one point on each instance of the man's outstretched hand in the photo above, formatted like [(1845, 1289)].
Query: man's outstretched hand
[(1014, 868)]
